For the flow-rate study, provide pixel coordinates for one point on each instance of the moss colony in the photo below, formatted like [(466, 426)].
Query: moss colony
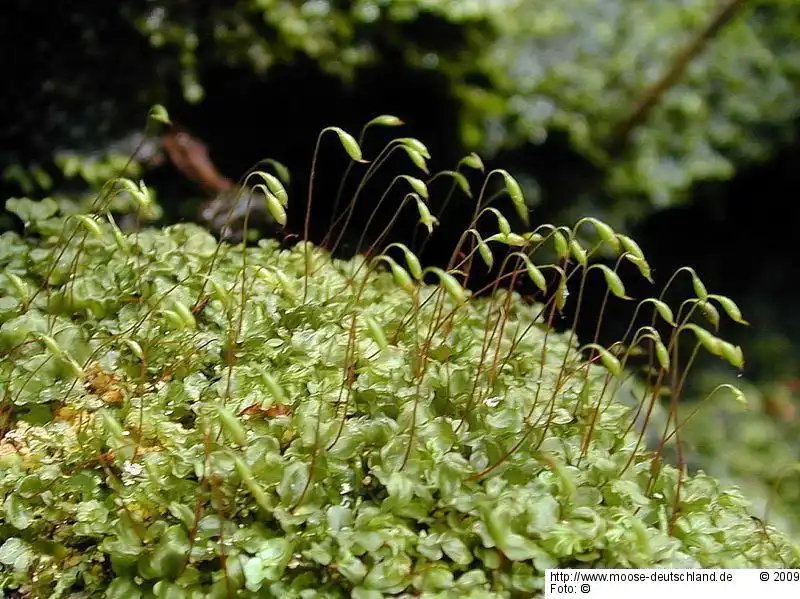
[(187, 418)]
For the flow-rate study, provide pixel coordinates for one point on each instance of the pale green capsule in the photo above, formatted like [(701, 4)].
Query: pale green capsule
[(561, 245), (712, 344), (90, 225), (730, 307), (417, 185), (425, 216), (662, 308), (412, 261), (450, 284), (376, 331), (417, 158), (515, 193), (220, 292), (641, 264), (613, 281), (50, 343), (415, 145), (699, 289), (280, 170), (113, 427), (534, 274), (119, 236), (231, 425), (604, 231), (348, 142), (273, 387), (568, 486), (400, 275), (473, 161), (385, 120), (578, 252), (141, 198), (275, 187), (275, 209), (59, 353), (608, 359), (144, 193), (135, 348), (461, 181), (733, 354), (502, 221), (127, 185), (286, 284), (185, 314), (710, 312), (532, 237), (738, 395), (159, 114), (483, 249), (514, 240), (662, 355), (244, 472), (630, 246), (561, 294), (20, 285), (174, 319)]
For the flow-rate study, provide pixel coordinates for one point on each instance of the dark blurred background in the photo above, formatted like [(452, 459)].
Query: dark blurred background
[(675, 122)]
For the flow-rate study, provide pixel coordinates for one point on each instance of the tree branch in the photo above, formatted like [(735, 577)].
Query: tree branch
[(651, 97)]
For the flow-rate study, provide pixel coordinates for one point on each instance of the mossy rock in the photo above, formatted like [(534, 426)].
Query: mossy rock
[(194, 419)]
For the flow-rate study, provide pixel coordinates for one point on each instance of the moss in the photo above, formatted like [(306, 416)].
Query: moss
[(134, 461), (189, 418)]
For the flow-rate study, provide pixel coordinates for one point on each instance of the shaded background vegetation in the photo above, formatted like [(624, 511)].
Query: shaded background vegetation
[(706, 177)]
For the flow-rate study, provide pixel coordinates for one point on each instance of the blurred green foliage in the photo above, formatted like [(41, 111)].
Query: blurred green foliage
[(756, 450), (521, 71)]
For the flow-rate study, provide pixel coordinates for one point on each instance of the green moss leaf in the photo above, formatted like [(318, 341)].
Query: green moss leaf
[(17, 513), (15, 553), (268, 564), (294, 480), (123, 588)]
